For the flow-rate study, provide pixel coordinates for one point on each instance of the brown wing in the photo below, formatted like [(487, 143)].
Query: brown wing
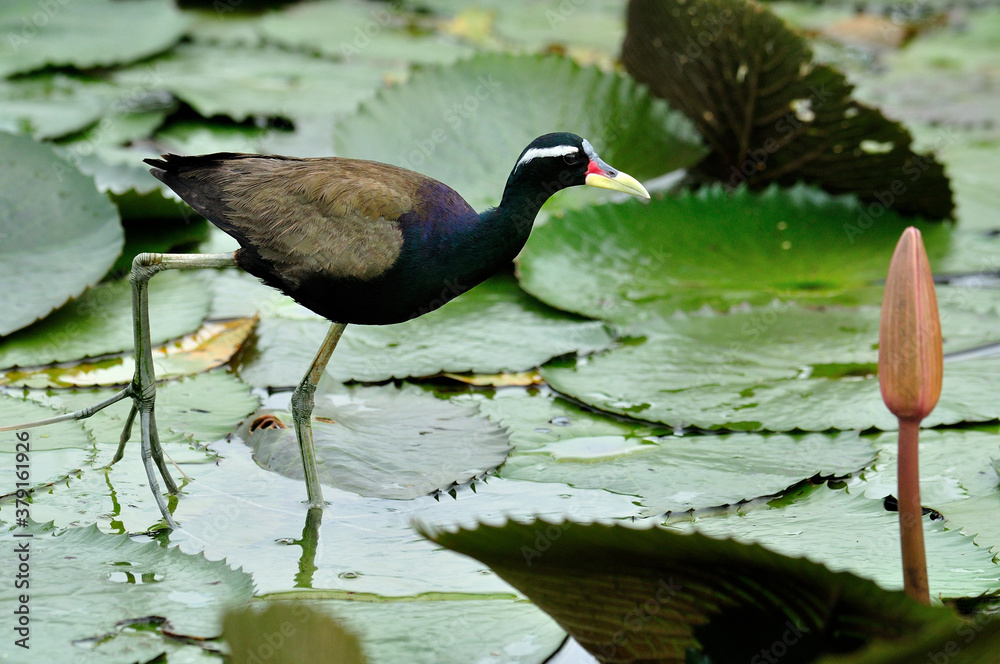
[(301, 216)]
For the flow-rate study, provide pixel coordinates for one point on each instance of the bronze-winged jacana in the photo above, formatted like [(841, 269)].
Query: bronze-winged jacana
[(354, 241)]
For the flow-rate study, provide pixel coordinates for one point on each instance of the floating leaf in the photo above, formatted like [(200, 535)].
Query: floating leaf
[(632, 261), (779, 368), (47, 454), (556, 441), (100, 322), (264, 82), (630, 595), (213, 345), (846, 530), (492, 329), (58, 235), (769, 113), (76, 33), (99, 590), (453, 115), (389, 442), (359, 30)]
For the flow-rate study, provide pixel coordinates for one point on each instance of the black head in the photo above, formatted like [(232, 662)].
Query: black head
[(560, 160)]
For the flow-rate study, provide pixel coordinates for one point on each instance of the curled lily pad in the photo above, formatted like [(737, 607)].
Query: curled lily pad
[(388, 442), (58, 235), (769, 113), (647, 595)]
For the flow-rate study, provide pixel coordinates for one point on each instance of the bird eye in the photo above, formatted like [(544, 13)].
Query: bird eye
[(573, 158)]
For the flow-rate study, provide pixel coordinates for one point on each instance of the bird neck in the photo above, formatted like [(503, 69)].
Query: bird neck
[(522, 199)]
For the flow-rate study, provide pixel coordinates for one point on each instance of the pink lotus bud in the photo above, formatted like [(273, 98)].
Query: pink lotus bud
[(910, 358)]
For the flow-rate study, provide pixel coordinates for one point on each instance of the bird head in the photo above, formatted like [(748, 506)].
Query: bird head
[(559, 160)]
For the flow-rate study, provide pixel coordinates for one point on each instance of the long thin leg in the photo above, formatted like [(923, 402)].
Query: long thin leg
[(302, 406), (78, 415), (144, 381)]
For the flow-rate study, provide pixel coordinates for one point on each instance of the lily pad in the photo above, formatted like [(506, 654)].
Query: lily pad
[(264, 629), (58, 235), (388, 442), (359, 30), (647, 595), (65, 33), (453, 115), (158, 589), (844, 530), (47, 454), (780, 368), (769, 112), (558, 442), (243, 82), (100, 322), (492, 329), (632, 261)]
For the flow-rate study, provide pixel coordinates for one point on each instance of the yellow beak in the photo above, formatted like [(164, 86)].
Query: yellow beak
[(601, 175)]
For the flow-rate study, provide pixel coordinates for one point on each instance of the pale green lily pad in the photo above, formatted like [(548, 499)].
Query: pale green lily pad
[(558, 442), (647, 595), (58, 235), (715, 248), (201, 408), (442, 631), (359, 31), (50, 106), (956, 478), (94, 583), (492, 329), (49, 453), (386, 442), (65, 33), (258, 82), (190, 137), (845, 530), (455, 116), (947, 77), (780, 368), (100, 322)]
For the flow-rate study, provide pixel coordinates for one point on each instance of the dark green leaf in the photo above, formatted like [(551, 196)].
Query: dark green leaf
[(769, 113)]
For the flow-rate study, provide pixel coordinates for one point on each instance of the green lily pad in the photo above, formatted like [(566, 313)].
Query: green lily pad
[(96, 589), (76, 33), (494, 328), (454, 115), (631, 595), (51, 106), (359, 30), (781, 368), (946, 77), (58, 235), (558, 442), (100, 322), (845, 530), (771, 114), (47, 454), (634, 260), (956, 478), (243, 82), (198, 409), (388, 442)]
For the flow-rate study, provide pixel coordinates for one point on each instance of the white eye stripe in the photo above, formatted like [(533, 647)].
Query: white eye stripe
[(554, 151)]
